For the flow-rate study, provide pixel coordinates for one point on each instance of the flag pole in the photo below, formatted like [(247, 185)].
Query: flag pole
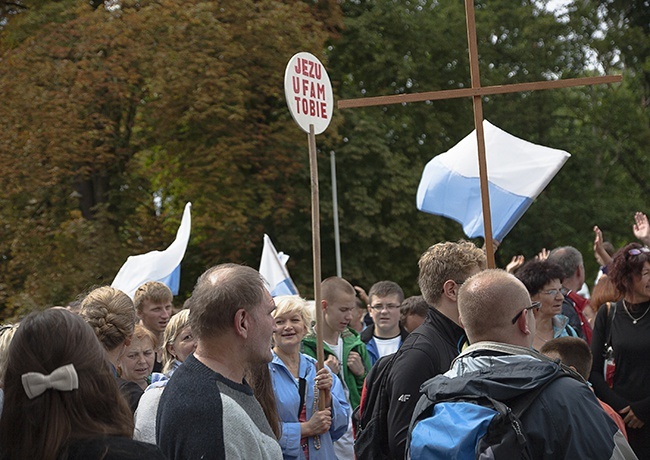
[(315, 234)]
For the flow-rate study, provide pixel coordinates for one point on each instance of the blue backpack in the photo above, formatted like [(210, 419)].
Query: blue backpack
[(470, 424)]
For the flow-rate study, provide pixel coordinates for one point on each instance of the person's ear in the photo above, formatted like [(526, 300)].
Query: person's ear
[(242, 323), (523, 322), (450, 290), (323, 304), (170, 349)]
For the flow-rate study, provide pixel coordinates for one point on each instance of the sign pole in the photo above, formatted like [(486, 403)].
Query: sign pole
[(308, 92), (315, 239)]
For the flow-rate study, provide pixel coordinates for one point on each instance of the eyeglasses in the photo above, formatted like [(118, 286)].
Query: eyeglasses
[(380, 307), (553, 292), (533, 306), (638, 251)]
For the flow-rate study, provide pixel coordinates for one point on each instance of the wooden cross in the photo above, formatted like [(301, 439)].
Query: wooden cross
[(476, 92)]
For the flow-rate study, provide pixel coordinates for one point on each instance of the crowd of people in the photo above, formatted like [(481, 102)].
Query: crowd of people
[(235, 373)]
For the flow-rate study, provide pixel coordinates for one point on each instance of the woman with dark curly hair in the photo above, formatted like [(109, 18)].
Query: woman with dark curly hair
[(543, 282), (62, 401), (625, 326)]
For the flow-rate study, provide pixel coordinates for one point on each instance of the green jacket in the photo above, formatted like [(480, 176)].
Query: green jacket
[(351, 342)]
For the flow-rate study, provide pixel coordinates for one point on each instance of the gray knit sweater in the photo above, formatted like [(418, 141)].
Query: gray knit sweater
[(203, 415)]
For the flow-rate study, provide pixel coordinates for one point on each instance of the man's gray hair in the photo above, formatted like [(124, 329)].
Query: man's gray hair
[(567, 258)]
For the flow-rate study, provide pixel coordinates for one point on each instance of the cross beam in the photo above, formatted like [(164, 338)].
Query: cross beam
[(476, 92)]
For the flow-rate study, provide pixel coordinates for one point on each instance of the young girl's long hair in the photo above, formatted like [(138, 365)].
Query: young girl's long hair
[(43, 426)]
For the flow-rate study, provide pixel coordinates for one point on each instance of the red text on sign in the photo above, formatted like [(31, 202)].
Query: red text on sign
[(310, 107), (309, 68)]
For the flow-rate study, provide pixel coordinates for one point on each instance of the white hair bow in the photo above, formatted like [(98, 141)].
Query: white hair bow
[(63, 379)]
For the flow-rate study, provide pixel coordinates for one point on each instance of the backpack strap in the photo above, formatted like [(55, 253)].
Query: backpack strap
[(611, 311), (302, 386)]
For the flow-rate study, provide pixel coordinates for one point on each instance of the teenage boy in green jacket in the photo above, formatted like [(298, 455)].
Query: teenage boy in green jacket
[(345, 353)]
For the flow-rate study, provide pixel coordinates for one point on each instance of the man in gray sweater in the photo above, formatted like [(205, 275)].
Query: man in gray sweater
[(208, 411)]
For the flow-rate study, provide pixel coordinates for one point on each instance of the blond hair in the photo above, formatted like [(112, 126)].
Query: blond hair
[(111, 314), (447, 261), (291, 304), (7, 332), (176, 324), (151, 291)]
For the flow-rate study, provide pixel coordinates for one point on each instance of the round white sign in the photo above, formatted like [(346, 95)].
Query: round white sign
[(308, 92)]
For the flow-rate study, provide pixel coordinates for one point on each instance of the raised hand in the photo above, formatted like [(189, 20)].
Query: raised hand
[(515, 263), (641, 228), (599, 250)]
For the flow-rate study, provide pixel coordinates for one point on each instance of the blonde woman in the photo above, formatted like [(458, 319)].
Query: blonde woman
[(306, 431), (178, 342), (6, 334)]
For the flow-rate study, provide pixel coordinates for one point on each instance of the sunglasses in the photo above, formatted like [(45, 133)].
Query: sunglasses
[(638, 251), (534, 306)]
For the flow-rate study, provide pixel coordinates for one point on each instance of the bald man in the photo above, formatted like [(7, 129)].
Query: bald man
[(565, 420)]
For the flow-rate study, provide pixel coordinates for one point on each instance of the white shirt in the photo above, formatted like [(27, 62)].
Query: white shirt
[(387, 346)]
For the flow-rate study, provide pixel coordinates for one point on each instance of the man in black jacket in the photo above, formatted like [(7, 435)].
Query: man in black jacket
[(429, 350)]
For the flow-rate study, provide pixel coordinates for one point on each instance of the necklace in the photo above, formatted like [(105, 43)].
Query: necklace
[(634, 320), (541, 338)]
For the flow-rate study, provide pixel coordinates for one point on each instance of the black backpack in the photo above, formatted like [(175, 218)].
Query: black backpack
[(470, 424), (370, 419)]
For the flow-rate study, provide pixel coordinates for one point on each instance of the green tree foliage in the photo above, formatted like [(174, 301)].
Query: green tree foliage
[(111, 106), (105, 108), (607, 130), (398, 47)]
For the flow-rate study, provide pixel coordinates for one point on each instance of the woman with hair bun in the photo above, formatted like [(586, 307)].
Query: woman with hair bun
[(111, 314), (62, 401)]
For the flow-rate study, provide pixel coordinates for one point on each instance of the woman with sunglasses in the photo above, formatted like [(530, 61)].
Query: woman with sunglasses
[(625, 326), (542, 280)]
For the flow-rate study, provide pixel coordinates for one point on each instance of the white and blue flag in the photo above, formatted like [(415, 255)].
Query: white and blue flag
[(518, 171), (163, 266), (273, 269)]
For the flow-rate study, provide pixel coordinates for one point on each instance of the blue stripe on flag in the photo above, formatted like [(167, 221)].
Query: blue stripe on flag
[(285, 287), (173, 280), (449, 194)]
